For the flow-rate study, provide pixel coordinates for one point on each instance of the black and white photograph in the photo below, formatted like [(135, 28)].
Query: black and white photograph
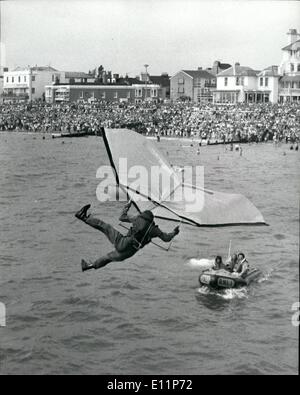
[(149, 190)]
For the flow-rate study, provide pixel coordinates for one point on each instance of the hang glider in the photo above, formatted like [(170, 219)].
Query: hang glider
[(209, 208)]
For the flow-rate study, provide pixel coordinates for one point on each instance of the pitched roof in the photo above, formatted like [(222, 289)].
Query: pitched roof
[(238, 71), (271, 71), (35, 68), (199, 74), (292, 47), (42, 68), (162, 80), (78, 74)]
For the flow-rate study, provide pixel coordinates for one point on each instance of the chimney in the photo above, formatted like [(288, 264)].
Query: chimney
[(292, 36), (236, 64)]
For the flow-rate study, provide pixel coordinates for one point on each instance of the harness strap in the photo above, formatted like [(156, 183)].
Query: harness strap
[(140, 244)]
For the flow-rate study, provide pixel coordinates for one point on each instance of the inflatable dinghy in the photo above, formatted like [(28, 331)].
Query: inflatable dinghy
[(224, 279)]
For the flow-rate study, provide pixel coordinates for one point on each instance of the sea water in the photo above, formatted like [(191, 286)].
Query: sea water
[(146, 315)]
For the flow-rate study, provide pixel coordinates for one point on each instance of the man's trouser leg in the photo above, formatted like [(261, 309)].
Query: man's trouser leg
[(113, 256), (110, 232)]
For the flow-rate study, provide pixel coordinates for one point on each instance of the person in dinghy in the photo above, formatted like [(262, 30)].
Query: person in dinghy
[(141, 233)]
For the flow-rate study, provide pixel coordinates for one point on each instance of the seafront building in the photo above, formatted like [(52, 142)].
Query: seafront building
[(196, 85), (23, 84), (2, 71), (136, 92), (242, 84), (193, 85), (162, 80), (289, 89), (220, 84), (102, 85)]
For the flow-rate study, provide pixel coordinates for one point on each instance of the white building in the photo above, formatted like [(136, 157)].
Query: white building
[(241, 84), (268, 83), (289, 89), (24, 84), (2, 70)]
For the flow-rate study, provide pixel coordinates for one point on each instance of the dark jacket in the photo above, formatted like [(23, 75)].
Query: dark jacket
[(142, 230)]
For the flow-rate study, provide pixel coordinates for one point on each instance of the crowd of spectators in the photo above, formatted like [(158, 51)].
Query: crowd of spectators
[(241, 122)]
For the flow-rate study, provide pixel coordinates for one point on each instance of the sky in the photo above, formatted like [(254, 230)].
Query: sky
[(123, 35)]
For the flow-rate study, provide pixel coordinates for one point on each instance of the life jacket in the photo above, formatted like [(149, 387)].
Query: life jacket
[(241, 264)]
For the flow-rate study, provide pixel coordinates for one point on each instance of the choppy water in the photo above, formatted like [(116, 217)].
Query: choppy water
[(145, 316)]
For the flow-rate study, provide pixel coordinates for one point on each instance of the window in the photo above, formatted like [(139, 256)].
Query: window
[(242, 81), (25, 79), (153, 92), (298, 67), (33, 78), (181, 89), (180, 81), (237, 81), (226, 81), (7, 80), (12, 79), (292, 67), (19, 79), (53, 78), (81, 95), (266, 81), (103, 95), (33, 90), (116, 95), (261, 81), (138, 92), (128, 95)]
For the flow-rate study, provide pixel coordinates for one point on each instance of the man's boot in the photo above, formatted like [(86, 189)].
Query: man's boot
[(82, 213), (86, 265)]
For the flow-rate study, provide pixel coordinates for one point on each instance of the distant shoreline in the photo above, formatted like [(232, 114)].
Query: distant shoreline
[(163, 138), (189, 140)]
